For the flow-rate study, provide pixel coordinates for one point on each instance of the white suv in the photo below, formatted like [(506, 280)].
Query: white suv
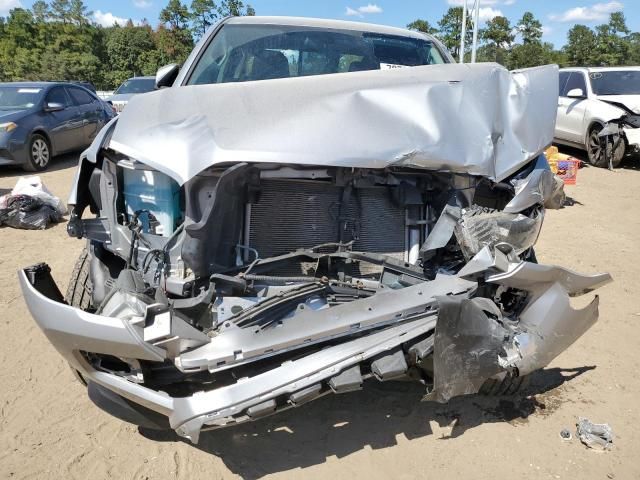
[(591, 97)]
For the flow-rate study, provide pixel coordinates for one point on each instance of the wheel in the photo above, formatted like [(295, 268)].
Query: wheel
[(79, 289), (39, 154), (597, 156)]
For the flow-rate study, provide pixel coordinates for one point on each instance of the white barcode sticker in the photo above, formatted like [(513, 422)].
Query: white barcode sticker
[(391, 66)]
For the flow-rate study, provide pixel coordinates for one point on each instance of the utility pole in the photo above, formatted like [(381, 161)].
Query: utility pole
[(464, 29), (475, 32)]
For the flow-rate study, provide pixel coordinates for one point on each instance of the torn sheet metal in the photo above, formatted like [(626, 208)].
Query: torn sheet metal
[(540, 187), (473, 342), (479, 228), (476, 119), (467, 346)]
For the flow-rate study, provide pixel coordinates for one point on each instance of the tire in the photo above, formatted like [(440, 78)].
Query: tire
[(39, 154), (79, 290), (596, 156), (507, 386)]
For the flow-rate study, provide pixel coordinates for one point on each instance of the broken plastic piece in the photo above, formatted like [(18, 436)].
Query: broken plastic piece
[(598, 436), (305, 395), (262, 409), (390, 365), (348, 381)]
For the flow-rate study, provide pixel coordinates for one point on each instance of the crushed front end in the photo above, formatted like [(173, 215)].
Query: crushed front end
[(253, 286)]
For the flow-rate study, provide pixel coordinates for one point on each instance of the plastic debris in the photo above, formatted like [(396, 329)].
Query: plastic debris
[(34, 187), (30, 206), (565, 434), (594, 435)]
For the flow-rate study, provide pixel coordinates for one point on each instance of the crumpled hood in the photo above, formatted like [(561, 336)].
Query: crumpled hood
[(478, 119), (632, 102)]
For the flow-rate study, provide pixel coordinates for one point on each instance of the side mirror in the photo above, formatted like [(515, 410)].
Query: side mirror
[(53, 107), (166, 75), (576, 93)]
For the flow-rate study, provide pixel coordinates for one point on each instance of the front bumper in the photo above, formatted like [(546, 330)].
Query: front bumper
[(12, 152), (548, 324)]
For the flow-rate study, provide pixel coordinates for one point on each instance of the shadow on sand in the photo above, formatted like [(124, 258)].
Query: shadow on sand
[(68, 160), (338, 425)]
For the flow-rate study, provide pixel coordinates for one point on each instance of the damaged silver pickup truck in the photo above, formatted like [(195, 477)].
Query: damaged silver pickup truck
[(298, 214)]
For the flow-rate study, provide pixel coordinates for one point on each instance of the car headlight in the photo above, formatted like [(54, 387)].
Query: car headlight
[(7, 127)]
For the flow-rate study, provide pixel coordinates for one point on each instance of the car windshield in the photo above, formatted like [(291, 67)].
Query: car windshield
[(19, 98), (619, 82), (240, 53), (137, 85)]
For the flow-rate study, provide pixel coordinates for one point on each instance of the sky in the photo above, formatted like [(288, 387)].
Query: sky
[(557, 16)]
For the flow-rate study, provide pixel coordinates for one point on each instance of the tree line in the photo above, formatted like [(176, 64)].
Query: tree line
[(58, 40), (520, 45)]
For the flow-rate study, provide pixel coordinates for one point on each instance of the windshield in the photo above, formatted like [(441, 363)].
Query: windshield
[(240, 53), (620, 82), (19, 98), (137, 85)]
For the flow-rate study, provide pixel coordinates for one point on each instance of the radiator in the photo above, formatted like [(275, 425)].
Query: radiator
[(294, 214)]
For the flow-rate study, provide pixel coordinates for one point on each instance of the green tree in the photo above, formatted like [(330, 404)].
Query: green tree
[(176, 14), (423, 26), (581, 45), (204, 13), (60, 10), (126, 51), (530, 28), (234, 8), (78, 13), (450, 29), (40, 11), (499, 36), (173, 37), (612, 47), (531, 55)]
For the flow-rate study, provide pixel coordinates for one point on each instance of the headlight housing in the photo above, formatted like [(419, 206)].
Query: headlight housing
[(8, 126)]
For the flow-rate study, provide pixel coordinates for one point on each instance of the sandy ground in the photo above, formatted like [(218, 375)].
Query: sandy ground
[(49, 428)]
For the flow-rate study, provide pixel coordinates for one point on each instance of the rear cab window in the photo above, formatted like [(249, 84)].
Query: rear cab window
[(241, 53)]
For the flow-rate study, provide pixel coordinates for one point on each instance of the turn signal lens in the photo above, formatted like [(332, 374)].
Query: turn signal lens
[(7, 127)]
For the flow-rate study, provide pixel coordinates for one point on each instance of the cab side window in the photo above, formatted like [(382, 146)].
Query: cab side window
[(575, 80), (58, 95)]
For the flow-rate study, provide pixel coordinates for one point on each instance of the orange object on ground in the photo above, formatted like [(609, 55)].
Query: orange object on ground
[(562, 165)]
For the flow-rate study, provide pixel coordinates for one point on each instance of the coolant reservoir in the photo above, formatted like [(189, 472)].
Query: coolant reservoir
[(153, 195)]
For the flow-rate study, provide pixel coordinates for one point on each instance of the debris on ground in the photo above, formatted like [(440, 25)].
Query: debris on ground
[(30, 206), (595, 435), (565, 434)]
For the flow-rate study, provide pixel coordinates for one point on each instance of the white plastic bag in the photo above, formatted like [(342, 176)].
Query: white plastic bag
[(34, 187)]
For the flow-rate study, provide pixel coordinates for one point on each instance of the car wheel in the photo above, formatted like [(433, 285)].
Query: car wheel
[(509, 385), (79, 289), (39, 154), (598, 157)]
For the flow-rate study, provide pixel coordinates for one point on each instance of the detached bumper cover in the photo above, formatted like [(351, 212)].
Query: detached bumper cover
[(546, 327)]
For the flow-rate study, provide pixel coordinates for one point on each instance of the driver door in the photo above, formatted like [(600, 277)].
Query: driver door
[(570, 118)]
